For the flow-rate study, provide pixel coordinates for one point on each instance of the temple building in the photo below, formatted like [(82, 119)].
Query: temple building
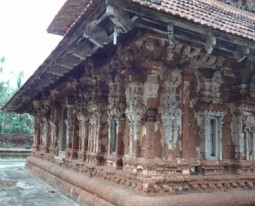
[(147, 102)]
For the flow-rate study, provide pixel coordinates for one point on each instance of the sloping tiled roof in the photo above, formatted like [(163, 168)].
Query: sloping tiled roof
[(211, 13), (70, 12)]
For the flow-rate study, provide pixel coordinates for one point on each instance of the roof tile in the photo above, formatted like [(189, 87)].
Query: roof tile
[(210, 13)]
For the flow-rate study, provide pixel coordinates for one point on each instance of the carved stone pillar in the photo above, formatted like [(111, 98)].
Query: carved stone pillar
[(52, 135), (116, 120), (246, 143), (75, 136), (135, 112), (37, 132), (94, 141), (54, 130), (170, 112), (253, 143), (69, 130), (37, 124), (45, 135), (240, 139), (83, 134), (187, 146)]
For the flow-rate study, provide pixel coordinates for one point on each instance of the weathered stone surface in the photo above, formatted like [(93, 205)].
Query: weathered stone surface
[(166, 110)]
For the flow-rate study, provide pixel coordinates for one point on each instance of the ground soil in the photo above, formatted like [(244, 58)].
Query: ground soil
[(16, 141)]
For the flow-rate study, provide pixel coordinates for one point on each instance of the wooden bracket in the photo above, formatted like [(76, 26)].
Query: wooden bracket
[(210, 43), (170, 33), (120, 19), (240, 53)]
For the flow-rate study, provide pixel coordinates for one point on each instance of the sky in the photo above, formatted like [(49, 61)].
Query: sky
[(24, 41)]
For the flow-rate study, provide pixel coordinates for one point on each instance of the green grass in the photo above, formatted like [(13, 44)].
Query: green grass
[(12, 159)]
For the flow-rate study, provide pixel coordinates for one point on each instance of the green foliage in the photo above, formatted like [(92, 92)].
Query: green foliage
[(12, 123)]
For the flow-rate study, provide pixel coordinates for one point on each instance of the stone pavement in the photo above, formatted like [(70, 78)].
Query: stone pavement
[(19, 188)]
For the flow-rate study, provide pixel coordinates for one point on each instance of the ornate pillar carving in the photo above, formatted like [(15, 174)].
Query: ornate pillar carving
[(253, 143), (94, 141), (69, 130), (187, 76), (54, 125), (36, 137), (75, 133), (239, 137), (116, 120), (169, 109), (244, 135), (37, 124), (83, 119), (135, 112), (97, 108)]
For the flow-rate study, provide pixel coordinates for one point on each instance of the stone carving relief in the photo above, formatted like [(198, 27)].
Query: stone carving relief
[(116, 113), (135, 111), (151, 86), (69, 126), (54, 127), (169, 108), (37, 123), (83, 117), (244, 134), (96, 107), (209, 89), (45, 126), (95, 127)]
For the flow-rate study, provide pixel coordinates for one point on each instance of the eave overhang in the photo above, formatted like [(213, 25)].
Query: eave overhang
[(102, 23)]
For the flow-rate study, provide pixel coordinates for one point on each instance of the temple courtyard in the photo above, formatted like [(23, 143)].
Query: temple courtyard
[(19, 188)]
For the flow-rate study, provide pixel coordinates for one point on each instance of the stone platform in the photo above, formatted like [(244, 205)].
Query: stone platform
[(14, 153), (86, 189)]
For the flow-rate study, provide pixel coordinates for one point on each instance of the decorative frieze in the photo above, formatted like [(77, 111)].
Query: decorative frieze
[(209, 88)]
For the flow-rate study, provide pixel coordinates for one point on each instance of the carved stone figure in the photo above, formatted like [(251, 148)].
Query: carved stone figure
[(169, 108)]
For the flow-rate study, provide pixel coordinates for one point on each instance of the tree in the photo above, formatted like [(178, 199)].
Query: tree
[(11, 123)]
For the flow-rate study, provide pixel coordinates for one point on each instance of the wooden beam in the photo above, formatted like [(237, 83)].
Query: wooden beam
[(69, 60), (82, 49), (97, 36)]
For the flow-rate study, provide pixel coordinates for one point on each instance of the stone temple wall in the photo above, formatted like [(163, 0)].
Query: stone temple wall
[(159, 118)]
